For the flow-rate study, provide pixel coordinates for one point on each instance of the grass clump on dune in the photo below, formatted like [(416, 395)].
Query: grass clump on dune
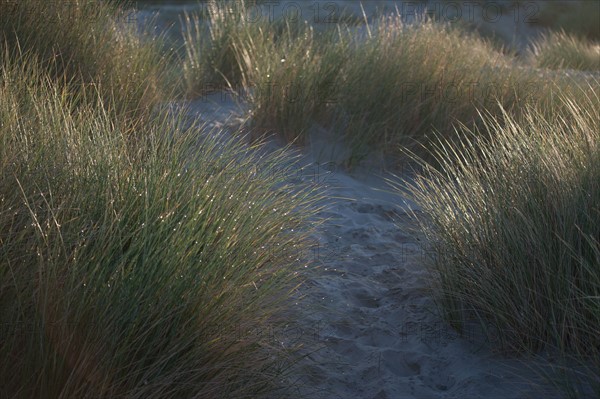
[(210, 61), (284, 69), (210, 38), (377, 87), (292, 76), (136, 270), (130, 268), (563, 51), (90, 44), (403, 80), (512, 220)]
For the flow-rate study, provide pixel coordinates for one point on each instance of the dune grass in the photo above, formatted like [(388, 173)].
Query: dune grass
[(91, 43), (291, 76), (402, 81), (281, 68), (563, 51), (145, 267), (512, 221), (379, 87), (135, 270), (210, 61), (140, 257)]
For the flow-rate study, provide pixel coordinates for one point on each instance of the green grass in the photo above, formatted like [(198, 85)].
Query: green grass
[(292, 76), (378, 87), (210, 61), (139, 257), (126, 269), (403, 81), (563, 51), (90, 43), (512, 221)]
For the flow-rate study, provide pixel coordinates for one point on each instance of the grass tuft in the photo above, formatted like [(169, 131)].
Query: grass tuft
[(513, 223), (563, 51), (90, 45), (378, 86), (146, 268)]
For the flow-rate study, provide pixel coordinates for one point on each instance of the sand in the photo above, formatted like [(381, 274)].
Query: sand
[(506, 20), (366, 312), (370, 311)]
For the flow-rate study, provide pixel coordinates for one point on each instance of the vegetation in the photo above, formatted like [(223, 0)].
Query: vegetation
[(90, 44), (513, 224), (563, 51), (382, 86), (292, 75), (139, 257), (404, 81), (210, 62), (144, 257)]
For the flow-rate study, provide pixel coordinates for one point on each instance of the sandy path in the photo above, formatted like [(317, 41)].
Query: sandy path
[(366, 308), (370, 311)]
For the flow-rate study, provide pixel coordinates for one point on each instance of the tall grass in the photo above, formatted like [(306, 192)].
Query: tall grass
[(280, 67), (292, 77), (380, 86), (563, 51), (210, 60), (90, 43), (210, 39), (405, 80), (512, 220), (136, 269)]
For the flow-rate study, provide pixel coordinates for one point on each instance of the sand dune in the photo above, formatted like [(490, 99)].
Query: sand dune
[(367, 308), (365, 314)]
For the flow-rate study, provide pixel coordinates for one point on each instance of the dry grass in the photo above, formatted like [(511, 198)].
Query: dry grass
[(379, 87), (563, 51), (90, 45), (150, 267), (513, 223)]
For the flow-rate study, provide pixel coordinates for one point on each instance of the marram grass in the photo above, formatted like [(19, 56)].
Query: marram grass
[(512, 221), (563, 51), (380, 86), (137, 269), (210, 61), (93, 45)]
